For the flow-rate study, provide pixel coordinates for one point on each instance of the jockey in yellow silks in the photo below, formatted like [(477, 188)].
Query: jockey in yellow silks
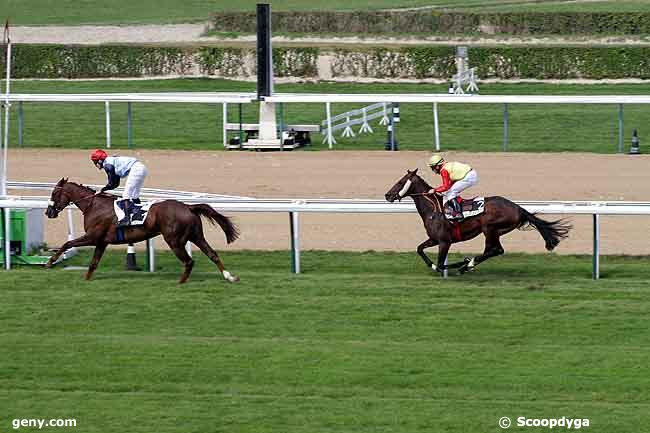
[(456, 177)]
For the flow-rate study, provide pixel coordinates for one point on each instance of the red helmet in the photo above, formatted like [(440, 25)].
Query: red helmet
[(98, 155)]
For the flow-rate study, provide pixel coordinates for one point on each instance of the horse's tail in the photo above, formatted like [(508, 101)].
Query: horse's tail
[(552, 231), (228, 227)]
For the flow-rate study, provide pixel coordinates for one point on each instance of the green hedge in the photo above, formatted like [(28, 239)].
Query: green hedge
[(107, 61), (495, 62), (329, 22), (55, 61), (564, 23), (378, 22)]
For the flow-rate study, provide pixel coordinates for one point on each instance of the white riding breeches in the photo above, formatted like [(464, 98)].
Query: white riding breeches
[(469, 180), (134, 181)]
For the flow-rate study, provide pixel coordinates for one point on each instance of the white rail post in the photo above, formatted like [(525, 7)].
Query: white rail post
[(129, 124), (7, 233), (72, 251), (328, 109), (20, 123), (506, 124), (436, 126), (596, 258), (620, 128), (224, 130), (107, 108), (295, 242), (151, 255), (5, 155)]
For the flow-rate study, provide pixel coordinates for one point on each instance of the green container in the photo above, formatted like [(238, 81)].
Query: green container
[(26, 235)]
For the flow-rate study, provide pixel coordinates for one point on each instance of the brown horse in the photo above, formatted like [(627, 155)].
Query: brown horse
[(176, 221), (500, 216)]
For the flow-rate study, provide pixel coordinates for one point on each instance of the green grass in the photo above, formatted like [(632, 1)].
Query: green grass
[(555, 6), (360, 342), (71, 12), (543, 128)]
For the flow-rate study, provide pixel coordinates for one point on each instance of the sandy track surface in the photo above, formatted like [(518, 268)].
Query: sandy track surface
[(369, 175), (193, 33)]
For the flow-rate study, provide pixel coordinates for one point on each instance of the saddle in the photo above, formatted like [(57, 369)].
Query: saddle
[(138, 215), (470, 207)]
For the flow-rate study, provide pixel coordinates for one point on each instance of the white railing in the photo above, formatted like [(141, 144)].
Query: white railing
[(294, 207), (445, 98)]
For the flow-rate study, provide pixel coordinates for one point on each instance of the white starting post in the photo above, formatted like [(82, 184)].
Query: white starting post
[(5, 143), (464, 74)]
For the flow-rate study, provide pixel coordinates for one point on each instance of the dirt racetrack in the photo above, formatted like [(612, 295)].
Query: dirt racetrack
[(349, 174)]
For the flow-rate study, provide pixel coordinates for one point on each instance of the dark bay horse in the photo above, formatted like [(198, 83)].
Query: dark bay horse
[(500, 216), (176, 221)]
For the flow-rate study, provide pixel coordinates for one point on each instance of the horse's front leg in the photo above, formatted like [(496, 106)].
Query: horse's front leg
[(82, 241), (443, 250), (427, 244), (97, 256)]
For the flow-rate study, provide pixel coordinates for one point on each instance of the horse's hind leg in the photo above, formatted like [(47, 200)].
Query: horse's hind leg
[(493, 248), (178, 247), (199, 241)]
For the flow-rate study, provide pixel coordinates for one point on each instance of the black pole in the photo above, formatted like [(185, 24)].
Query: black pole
[(264, 59)]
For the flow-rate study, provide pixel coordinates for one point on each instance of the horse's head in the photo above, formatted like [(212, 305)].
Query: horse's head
[(58, 200), (404, 186)]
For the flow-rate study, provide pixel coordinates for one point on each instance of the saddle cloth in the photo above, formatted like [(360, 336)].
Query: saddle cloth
[(471, 207), (139, 212)]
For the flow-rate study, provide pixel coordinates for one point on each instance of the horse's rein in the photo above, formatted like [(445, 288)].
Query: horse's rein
[(426, 195), (66, 193)]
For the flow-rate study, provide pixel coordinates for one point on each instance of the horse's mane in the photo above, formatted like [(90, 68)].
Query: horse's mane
[(81, 185), (423, 181)]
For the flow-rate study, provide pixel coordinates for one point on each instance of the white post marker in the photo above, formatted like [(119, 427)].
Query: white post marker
[(3, 174), (7, 233), (72, 251), (330, 138), (436, 126), (224, 131), (107, 107), (596, 255), (151, 255)]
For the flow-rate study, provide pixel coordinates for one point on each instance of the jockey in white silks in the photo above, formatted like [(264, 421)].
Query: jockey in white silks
[(116, 168)]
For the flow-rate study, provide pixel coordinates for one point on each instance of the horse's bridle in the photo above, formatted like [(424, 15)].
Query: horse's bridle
[(63, 191)]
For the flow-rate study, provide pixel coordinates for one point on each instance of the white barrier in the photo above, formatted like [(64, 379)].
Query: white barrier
[(294, 207), (435, 99)]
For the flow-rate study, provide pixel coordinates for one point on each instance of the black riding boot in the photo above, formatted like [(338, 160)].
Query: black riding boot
[(127, 207), (457, 208)]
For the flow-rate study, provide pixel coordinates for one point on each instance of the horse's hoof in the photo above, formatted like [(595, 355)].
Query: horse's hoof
[(229, 277)]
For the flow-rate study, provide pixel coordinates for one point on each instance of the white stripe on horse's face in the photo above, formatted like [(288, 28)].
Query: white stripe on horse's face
[(51, 203), (405, 189)]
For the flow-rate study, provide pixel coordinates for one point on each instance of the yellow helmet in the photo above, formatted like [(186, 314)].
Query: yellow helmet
[(435, 159)]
